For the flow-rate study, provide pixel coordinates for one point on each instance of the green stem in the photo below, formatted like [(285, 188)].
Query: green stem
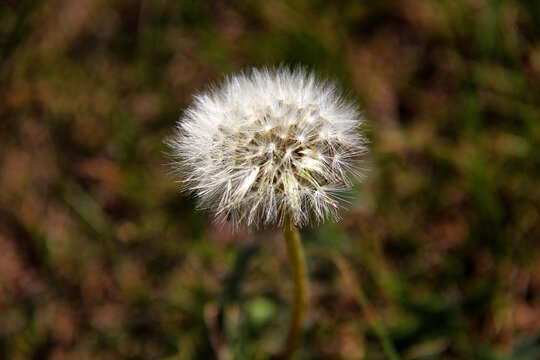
[(299, 273)]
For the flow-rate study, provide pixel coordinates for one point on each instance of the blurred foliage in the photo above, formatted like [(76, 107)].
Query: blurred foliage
[(101, 257)]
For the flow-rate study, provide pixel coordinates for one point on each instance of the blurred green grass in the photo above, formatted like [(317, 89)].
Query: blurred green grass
[(101, 257)]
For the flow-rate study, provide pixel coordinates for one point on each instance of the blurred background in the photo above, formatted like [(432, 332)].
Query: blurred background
[(101, 257)]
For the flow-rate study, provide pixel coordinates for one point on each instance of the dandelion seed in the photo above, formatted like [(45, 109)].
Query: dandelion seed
[(269, 143)]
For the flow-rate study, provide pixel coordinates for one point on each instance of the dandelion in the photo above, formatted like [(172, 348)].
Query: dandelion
[(271, 147), (269, 143)]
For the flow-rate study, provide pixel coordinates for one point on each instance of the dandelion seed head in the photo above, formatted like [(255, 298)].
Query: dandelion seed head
[(269, 142)]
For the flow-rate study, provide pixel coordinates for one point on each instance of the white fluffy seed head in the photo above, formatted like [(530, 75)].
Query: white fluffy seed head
[(269, 142)]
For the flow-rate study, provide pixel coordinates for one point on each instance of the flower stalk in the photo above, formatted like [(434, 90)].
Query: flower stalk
[(298, 269)]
